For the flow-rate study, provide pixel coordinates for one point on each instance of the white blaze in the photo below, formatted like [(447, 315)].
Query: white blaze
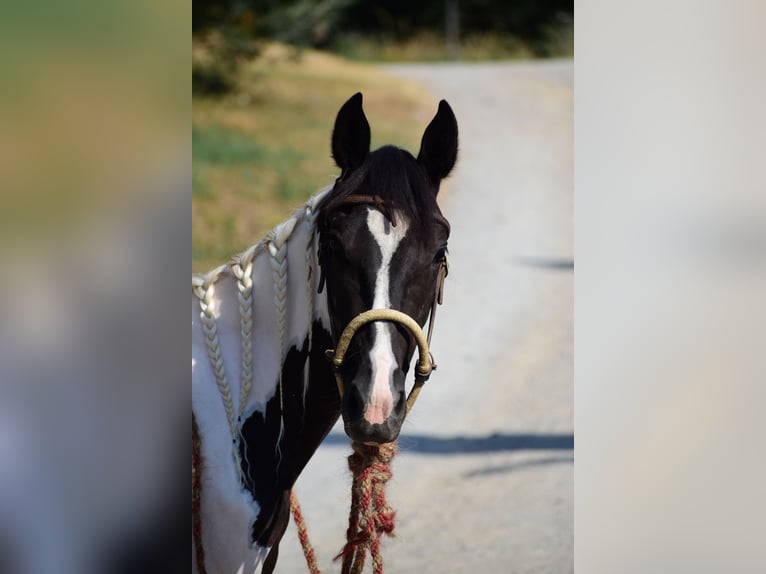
[(382, 357)]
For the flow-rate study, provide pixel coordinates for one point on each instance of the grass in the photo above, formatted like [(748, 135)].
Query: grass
[(557, 41), (261, 151), (430, 47), (218, 145)]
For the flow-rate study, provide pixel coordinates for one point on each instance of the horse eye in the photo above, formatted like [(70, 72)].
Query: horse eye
[(441, 255)]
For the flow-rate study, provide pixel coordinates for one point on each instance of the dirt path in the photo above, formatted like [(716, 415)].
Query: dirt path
[(483, 479)]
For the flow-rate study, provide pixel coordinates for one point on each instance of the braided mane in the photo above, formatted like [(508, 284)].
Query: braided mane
[(239, 268), (277, 237)]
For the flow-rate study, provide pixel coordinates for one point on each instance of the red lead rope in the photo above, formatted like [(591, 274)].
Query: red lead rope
[(370, 517), (303, 536)]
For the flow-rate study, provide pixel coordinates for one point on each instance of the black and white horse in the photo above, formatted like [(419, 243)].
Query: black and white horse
[(264, 394)]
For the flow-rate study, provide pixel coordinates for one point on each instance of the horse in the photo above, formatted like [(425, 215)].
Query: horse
[(264, 395)]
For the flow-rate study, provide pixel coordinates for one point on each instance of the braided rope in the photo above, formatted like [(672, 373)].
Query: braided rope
[(212, 342), (279, 274), (243, 272)]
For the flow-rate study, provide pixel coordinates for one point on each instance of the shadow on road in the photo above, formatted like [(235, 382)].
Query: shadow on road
[(471, 445), (545, 263), (503, 468)]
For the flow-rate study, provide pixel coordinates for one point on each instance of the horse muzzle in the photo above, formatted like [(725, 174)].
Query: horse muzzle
[(388, 429), (362, 431)]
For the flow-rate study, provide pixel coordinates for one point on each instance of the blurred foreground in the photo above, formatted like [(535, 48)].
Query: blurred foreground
[(94, 236)]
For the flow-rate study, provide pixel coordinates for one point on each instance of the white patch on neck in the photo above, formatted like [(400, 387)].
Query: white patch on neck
[(382, 358)]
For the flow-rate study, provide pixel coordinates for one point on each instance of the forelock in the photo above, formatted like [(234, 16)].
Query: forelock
[(393, 178)]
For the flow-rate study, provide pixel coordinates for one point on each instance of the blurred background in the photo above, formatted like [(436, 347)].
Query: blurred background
[(268, 78)]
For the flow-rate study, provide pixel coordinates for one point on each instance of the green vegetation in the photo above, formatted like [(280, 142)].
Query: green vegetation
[(217, 145), (263, 112), (262, 150), (430, 47), (395, 30), (553, 39)]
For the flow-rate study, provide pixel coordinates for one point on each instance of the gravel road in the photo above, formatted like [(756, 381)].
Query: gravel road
[(483, 481)]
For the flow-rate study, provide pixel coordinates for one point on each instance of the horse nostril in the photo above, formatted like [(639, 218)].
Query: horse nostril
[(354, 403)]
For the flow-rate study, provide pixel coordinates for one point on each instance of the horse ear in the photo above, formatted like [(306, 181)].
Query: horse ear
[(438, 149), (351, 135)]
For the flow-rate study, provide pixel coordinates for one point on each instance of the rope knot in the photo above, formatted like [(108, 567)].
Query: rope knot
[(371, 456), (370, 516)]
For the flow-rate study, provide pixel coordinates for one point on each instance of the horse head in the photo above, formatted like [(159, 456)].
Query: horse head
[(382, 245)]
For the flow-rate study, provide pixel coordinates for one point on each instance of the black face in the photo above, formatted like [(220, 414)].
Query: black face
[(371, 264), (382, 242)]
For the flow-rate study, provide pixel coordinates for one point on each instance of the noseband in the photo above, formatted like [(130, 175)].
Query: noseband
[(425, 365)]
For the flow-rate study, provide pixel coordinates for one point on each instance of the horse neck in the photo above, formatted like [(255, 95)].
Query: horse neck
[(260, 329), (261, 303), (286, 302), (294, 401)]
